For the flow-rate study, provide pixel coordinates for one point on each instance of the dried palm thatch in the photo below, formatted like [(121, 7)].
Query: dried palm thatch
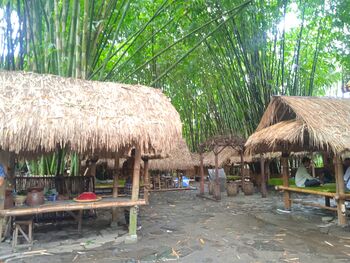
[(179, 159), (303, 123), (39, 112)]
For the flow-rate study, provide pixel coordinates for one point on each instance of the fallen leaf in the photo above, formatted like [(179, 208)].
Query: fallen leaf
[(202, 241), (329, 244)]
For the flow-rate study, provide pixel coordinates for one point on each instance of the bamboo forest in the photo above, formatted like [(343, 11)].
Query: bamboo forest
[(202, 130)]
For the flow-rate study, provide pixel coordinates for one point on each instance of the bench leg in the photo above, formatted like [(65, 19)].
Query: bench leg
[(327, 201), (286, 199)]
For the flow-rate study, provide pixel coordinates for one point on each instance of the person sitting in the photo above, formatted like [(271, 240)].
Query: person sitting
[(347, 173), (302, 177)]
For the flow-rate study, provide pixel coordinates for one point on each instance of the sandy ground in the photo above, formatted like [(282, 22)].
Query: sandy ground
[(181, 227)]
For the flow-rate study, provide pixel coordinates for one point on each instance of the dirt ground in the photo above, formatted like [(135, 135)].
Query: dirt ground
[(181, 227)]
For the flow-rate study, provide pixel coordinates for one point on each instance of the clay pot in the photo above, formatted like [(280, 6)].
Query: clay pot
[(248, 188), (35, 196), (232, 189), (9, 202)]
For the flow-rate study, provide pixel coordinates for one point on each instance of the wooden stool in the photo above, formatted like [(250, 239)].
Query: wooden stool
[(18, 227)]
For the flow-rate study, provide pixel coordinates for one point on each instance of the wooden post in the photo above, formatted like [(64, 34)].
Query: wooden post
[(201, 173), (135, 196), (242, 165), (217, 191), (146, 180), (285, 175), (115, 188), (339, 180), (4, 161), (263, 177)]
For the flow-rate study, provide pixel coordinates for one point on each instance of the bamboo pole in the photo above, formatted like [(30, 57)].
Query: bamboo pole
[(62, 206), (115, 187), (339, 180), (285, 174), (4, 161), (263, 177), (314, 205), (146, 180), (201, 173), (311, 191), (217, 191), (135, 194)]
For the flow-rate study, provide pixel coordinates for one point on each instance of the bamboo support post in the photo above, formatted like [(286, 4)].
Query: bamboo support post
[(115, 188), (341, 209), (217, 191), (242, 165), (4, 161), (146, 181), (285, 175), (263, 177), (201, 173), (135, 194)]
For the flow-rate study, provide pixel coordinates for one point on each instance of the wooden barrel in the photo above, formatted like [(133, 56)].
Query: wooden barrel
[(248, 188), (232, 189)]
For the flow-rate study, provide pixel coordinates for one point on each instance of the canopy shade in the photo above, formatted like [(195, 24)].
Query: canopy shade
[(303, 123), (40, 112)]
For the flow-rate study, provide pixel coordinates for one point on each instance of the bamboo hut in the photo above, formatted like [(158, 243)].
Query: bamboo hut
[(305, 123), (178, 162), (41, 113)]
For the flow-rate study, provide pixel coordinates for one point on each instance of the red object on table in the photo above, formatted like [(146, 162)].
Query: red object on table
[(87, 196)]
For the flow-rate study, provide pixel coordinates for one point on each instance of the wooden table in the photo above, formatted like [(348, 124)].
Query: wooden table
[(70, 206)]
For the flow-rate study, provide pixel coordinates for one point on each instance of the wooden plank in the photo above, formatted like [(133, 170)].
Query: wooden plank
[(61, 206)]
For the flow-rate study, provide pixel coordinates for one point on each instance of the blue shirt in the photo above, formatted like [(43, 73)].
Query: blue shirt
[(2, 171)]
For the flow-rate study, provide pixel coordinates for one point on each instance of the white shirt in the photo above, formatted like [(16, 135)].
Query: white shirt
[(301, 176), (346, 178)]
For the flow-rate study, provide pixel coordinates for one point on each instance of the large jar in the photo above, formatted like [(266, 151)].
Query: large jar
[(8, 199), (35, 196)]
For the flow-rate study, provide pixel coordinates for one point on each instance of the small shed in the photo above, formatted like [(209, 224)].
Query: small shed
[(41, 113)]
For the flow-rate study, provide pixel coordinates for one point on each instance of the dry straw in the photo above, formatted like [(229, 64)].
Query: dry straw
[(39, 112), (303, 123), (179, 159)]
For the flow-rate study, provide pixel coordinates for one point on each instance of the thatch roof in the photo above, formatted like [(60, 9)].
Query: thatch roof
[(38, 112), (303, 123), (179, 159)]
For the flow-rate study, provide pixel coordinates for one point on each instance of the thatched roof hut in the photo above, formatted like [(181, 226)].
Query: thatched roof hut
[(303, 123), (40, 112), (179, 159)]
